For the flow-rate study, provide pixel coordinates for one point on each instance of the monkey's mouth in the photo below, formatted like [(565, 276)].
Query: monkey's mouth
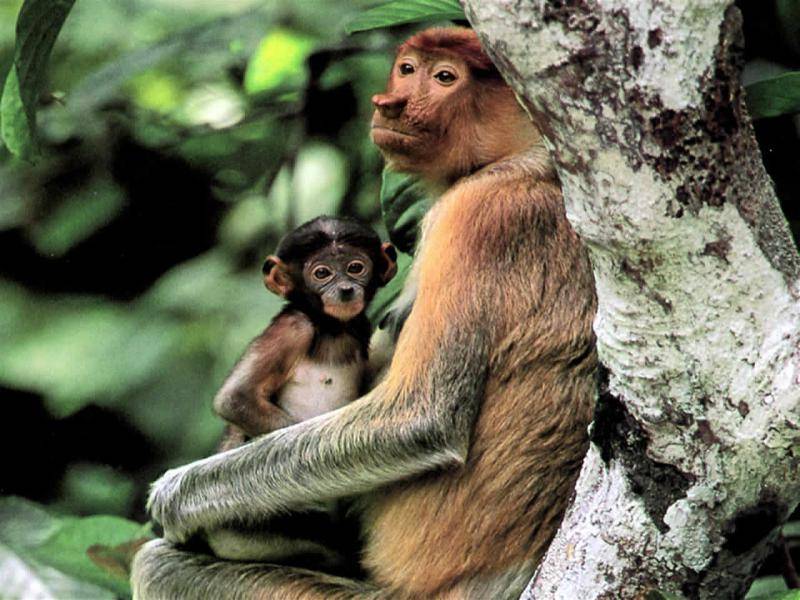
[(383, 130), (344, 311), (393, 130)]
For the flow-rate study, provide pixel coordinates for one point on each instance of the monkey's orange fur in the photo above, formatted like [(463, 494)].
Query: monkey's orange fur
[(430, 535)]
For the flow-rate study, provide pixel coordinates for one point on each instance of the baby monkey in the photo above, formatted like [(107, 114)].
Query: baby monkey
[(313, 356), (310, 360)]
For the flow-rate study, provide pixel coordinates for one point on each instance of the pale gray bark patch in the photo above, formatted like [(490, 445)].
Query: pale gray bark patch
[(695, 454)]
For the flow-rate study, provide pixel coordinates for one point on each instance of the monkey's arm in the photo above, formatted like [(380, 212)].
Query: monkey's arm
[(244, 399), (384, 437), (418, 419)]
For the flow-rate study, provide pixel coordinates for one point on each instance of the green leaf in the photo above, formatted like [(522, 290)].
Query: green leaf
[(46, 556), (767, 588), (400, 12), (38, 25), (791, 529), (382, 302), (774, 96), (404, 202), (76, 351), (279, 61)]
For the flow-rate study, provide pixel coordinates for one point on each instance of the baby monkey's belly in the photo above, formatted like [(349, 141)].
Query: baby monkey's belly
[(316, 388)]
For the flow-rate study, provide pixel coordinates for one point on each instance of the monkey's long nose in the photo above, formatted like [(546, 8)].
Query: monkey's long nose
[(389, 106)]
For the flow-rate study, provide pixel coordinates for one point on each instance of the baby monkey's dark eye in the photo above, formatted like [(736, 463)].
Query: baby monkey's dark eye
[(445, 77), (406, 69), (355, 268), (322, 273)]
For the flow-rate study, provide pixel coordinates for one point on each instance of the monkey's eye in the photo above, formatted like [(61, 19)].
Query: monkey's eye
[(355, 268), (406, 69), (322, 273), (445, 77)]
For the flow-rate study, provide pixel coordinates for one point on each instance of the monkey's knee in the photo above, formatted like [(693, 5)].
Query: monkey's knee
[(163, 572), (151, 565)]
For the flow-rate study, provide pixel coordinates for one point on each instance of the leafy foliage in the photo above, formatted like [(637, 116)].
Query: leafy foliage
[(774, 96), (38, 25), (400, 12), (42, 555), (404, 201)]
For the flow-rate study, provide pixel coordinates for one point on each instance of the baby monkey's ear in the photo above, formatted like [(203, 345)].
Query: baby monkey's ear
[(277, 277), (389, 254)]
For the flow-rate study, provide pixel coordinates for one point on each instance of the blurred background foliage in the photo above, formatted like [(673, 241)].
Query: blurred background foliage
[(179, 140)]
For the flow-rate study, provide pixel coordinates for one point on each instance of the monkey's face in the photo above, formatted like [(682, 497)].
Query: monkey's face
[(418, 117), (340, 276)]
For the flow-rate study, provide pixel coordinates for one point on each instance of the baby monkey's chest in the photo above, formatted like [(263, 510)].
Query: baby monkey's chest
[(318, 387)]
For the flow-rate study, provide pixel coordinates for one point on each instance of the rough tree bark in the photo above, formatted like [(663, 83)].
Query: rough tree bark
[(695, 454)]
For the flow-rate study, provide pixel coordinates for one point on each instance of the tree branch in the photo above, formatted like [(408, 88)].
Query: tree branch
[(694, 462)]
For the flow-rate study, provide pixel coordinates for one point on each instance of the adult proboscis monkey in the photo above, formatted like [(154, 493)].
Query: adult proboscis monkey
[(465, 455)]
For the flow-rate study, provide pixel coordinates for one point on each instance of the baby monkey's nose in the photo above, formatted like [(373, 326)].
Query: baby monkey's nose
[(346, 292)]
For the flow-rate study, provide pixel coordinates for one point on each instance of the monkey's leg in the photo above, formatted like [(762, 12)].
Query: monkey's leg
[(163, 572)]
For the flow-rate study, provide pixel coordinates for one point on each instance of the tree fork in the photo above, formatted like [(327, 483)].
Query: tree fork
[(695, 455)]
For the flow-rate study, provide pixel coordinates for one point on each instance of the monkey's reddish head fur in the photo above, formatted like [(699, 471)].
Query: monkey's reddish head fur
[(446, 111), (459, 42)]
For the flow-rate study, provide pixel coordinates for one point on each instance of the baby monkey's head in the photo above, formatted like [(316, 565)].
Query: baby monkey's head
[(330, 265)]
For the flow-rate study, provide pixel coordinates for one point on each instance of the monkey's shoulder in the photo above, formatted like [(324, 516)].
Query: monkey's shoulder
[(291, 322)]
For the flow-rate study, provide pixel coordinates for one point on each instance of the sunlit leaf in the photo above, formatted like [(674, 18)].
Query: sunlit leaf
[(104, 83), (319, 181), (25, 577), (774, 96), (38, 25), (279, 61), (400, 12), (45, 554), (157, 91)]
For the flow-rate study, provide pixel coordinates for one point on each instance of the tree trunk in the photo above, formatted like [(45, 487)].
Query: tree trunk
[(695, 455)]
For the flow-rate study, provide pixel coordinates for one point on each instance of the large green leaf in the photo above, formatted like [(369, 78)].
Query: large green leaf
[(774, 96), (45, 556), (382, 302), (404, 202), (38, 24), (400, 12)]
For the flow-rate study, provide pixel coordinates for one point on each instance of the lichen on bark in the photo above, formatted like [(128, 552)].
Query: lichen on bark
[(697, 433)]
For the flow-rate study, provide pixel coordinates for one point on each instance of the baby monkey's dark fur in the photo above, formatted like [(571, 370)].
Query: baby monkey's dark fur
[(310, 360), (313, 356)]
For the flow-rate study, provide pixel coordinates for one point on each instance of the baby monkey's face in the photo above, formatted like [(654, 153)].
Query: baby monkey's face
[(340, 276)]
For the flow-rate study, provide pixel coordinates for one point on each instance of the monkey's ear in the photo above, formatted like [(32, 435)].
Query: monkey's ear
[(277, 277), (389, 254)]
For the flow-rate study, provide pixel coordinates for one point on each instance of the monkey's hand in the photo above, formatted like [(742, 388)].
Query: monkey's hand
[(163, 507)]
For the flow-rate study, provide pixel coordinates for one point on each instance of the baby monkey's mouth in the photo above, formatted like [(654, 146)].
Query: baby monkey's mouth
[(344, 311)]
